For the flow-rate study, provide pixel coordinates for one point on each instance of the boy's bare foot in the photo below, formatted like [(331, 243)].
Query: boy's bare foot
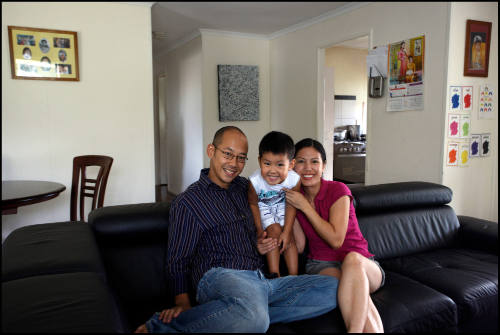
[(141, 329)]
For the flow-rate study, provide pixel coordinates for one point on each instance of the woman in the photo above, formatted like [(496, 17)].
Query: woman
[(336, 245)]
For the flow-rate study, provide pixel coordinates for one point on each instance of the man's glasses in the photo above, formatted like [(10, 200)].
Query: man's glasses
[(229, 156)]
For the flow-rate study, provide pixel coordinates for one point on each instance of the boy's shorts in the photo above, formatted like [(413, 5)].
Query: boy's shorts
[(314, 267), (272, 214)]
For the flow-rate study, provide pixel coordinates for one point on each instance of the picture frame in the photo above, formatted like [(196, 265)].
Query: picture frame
[(43, 54), (477, 48)]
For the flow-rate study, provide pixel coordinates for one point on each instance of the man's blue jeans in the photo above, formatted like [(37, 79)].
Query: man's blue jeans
[(245, 301)]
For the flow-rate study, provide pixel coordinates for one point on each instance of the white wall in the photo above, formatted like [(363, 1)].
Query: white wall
[(183, 68), (396, 141), (349, 65), (235, 50), (109, 111), (475, 187)]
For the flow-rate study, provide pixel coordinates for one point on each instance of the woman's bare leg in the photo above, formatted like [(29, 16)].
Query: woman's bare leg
[(360, 276)]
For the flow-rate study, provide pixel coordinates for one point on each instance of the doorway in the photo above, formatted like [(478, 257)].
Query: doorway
[(342, 105)]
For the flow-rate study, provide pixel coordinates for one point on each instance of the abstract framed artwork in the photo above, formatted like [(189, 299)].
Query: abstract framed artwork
[(238, 92), (43, 54), (477, 48)]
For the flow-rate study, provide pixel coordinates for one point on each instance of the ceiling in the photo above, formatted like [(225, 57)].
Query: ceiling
[(176, 22)]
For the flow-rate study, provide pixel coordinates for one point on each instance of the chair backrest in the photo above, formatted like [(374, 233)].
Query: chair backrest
[(93, 188)]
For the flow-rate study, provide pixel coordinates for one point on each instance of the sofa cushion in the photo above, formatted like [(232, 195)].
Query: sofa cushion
[(469, 277), (404, 232), (76, 302), (50, 248), (406, 305), (396, 196)]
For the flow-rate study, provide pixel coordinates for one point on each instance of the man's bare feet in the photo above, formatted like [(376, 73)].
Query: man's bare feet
[(141, 329)]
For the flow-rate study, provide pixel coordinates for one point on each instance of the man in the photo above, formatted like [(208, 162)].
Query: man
[(212, 242)]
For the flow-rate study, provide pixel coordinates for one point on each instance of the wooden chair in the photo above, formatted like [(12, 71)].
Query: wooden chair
[(97, 187)]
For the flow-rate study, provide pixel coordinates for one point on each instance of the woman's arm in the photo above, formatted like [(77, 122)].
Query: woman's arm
[(299, 236), (332, 231)]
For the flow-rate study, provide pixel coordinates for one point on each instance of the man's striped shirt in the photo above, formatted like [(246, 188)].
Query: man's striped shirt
[(210, 227)]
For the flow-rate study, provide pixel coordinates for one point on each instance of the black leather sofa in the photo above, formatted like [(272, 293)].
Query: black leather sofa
[(108, 276)]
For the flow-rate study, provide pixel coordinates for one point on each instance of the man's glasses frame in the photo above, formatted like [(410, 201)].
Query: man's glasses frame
[(229, 156)]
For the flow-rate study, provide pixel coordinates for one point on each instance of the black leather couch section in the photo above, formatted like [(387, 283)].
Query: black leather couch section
[(77, 302), (441, 271), (412, 232), (404, 195), (132, 240), (50, 249)]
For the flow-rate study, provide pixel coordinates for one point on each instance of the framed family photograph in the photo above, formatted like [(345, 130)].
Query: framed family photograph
[(477, 48), (43, 54)]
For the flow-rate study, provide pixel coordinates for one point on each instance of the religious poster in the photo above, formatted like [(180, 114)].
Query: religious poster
[(406, 75)]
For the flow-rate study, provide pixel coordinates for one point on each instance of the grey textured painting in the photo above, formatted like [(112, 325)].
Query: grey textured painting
[(238, 92)]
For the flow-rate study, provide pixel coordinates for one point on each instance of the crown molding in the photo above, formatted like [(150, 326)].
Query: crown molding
[(233, 34), (182, 41), (144, 4), (328, 15)]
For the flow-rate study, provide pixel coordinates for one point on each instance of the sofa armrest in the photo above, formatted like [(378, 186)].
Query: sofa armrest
[(134, 220), (478, 233)]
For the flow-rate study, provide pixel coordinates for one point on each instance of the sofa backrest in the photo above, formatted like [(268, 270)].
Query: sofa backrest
[(132, 241), (399, 219)]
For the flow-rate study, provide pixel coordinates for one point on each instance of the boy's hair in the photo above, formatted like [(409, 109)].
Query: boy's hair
[(309, 142), (277, 143)]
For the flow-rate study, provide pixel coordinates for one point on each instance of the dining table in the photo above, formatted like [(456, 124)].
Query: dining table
[(17, 193)]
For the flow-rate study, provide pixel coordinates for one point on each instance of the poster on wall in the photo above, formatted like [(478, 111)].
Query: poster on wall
[(475, 143), (406, 73), (452, 154), (463, 157), (464, 131), (486, 96), (485, 145), (455, 98), (453, 125), (467, 98)]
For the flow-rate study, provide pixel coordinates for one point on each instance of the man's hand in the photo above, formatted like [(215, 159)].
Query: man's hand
[(264, 245)]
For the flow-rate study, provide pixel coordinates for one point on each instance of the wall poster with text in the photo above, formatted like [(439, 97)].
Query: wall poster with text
[(406, 75)]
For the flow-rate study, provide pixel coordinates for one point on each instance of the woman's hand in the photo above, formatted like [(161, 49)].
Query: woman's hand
[(296, 199), (168, 314), (284, 240), (264, 244)]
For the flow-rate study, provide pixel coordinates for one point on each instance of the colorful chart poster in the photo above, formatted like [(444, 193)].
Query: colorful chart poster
[(455, 98), (485, 146), (406, 75), (453, 125), (452, 154), (486, 95), (464, 131), (475, 145), (467, 98), (463, 157)]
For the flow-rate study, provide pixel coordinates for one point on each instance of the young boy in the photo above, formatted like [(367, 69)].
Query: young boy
[(267, 198)]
